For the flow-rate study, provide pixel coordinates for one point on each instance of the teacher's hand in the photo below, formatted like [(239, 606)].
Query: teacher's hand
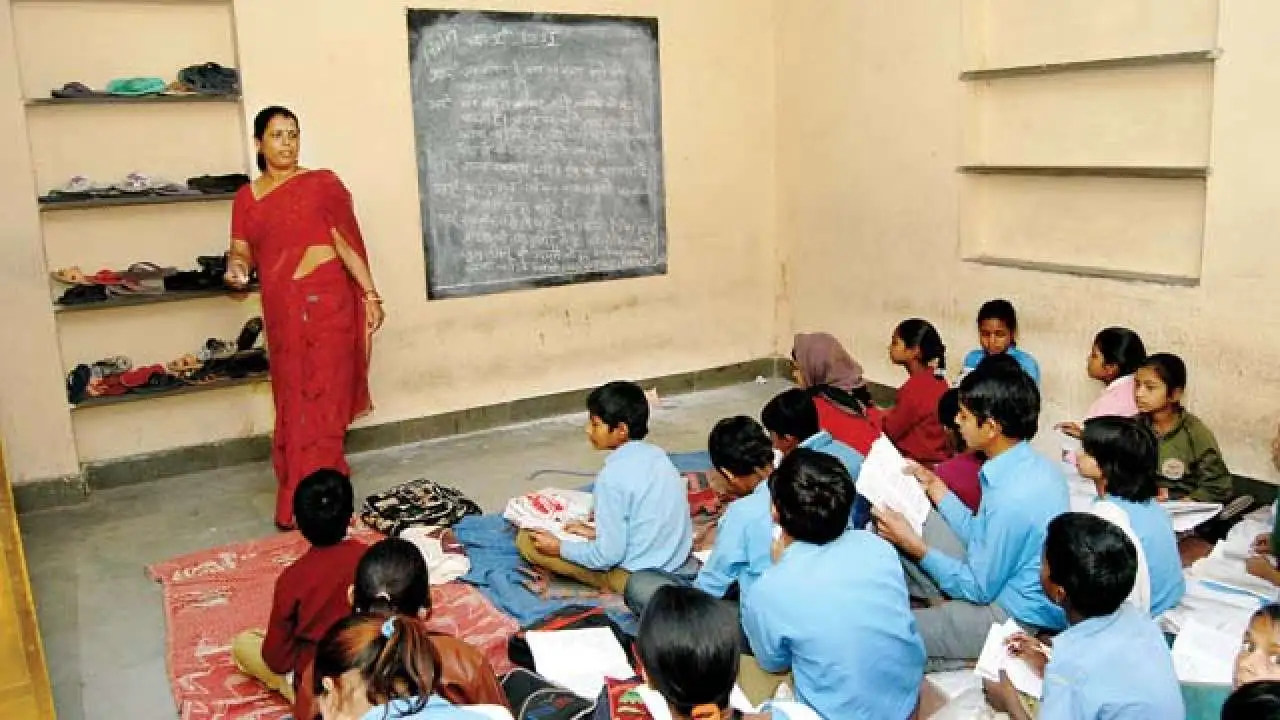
[(374, 315)]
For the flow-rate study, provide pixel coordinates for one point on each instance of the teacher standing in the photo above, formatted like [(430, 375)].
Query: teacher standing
[(320, 306)]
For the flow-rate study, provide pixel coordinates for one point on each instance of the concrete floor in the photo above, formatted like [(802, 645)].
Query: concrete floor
[(101, 618)]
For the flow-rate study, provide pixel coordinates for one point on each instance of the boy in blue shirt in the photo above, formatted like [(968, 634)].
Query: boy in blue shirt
[(833, 608), (1112, 662), (642, 518), (792, 421), (742, 453), (979, 569)]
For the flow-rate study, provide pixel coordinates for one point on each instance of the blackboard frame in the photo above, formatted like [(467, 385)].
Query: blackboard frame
[(418, 18)]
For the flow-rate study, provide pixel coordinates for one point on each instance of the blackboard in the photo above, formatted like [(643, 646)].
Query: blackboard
[(539, 147)]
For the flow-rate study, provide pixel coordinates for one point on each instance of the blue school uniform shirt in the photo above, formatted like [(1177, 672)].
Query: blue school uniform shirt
[(1154, 529), (1115, 666), (741, 553), (1025, 361), (824, 443), (1021, 492), (437, 708), (642, 514), (838, 615)]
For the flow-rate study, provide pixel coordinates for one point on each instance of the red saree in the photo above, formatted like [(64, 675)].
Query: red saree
[(315, 325)]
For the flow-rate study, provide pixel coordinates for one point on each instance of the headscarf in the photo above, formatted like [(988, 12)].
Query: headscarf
[(825, 362)]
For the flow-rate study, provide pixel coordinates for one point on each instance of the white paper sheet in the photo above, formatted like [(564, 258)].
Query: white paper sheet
[(702, 555), (579, 659), (1204, 654), (1186, 514), (995, 657), (883, 482)]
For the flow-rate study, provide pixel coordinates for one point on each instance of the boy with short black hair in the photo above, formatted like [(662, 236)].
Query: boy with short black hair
[(641, 510), (833, 608), (311, 594), (983, 568), (1112, 662), (792, 421), (741, 452)]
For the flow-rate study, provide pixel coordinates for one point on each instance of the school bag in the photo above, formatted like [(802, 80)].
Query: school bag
[(419, 502), (533, 697), (569, 617)]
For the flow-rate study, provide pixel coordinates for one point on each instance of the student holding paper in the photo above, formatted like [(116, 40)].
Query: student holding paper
[(1112, 662), (987, 564)]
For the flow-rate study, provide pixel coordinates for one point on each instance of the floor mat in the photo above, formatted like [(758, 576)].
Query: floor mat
[(213, 594)]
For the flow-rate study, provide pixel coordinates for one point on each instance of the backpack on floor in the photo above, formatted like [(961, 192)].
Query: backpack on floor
[(569, 617), (533, 697), (418, 502)]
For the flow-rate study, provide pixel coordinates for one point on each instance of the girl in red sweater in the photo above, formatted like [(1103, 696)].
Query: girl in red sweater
[(912, 424), (834, 380)]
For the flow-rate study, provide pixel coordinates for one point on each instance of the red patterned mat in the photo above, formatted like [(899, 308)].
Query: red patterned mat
[(212, 595)]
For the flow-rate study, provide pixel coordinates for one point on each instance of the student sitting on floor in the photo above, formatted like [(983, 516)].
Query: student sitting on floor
[(824, 369), (1255, 701), (642, 518), (912, 424), (998, 335), (1262, 561), (1112, 662), (370, 668), (988, 564), (1259, 656), (792, 421), (688, 652), (833, 609), (311, 594), (1119, 455), (961, 472), (392, 579), (741, 452), (1191, 465), (1116, 355)]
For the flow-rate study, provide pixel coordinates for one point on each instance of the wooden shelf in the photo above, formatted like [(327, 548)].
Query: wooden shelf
[(1086, 271), (1178, 58), (132, 100), (120, 301), (1164, 172), (183, 390), (126, 200)]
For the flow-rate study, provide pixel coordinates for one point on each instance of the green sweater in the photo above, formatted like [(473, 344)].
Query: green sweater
[(1191, 465)]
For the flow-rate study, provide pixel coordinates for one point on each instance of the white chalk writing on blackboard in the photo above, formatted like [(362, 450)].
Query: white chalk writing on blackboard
[(539, 149)]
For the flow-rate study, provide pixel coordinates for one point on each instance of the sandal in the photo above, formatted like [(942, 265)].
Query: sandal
[(70, 276), (78, 384), (186, 364), (106, 277), (249, 334), (113, 365)]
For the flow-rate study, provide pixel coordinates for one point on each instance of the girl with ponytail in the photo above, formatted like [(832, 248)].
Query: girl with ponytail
[(913, 424), (380, 668)]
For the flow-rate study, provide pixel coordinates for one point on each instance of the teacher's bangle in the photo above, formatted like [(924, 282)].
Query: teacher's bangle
[(373, 296)]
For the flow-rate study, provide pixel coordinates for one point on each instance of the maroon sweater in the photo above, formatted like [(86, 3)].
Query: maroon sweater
[(310, 596)]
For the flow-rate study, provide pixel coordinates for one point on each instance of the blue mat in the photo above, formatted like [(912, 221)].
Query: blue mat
[(491, 546)]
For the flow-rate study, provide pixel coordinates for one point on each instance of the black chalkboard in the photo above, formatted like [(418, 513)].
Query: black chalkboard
[(539, 144)]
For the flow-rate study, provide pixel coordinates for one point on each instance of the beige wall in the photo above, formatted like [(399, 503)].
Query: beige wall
[(810, 166), (873, 122), (342, 67)]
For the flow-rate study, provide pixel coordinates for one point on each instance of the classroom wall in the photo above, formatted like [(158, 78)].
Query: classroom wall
[(873, 122), (342, 67)]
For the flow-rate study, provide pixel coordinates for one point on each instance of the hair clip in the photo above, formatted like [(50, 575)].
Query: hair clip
[(389, 627), (384, 595)]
